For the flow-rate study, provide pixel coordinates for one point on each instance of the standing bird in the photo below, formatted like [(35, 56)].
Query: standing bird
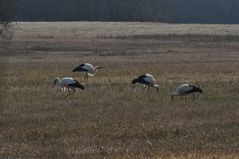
[(147, 80), (88, 68), (186, 89), (67, 83)]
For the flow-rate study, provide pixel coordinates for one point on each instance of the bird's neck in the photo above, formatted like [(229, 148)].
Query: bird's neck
[(91, 74), (92, 71), (58, 83), (174, 94), (97, 67)]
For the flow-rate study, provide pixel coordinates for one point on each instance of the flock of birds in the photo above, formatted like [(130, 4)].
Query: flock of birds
[(147, 80)]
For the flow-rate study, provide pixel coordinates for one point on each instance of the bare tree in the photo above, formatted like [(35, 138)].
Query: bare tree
[(6, 16)]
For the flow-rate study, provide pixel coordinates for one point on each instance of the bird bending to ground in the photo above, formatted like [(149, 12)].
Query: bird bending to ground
[(88, 69), (68, 83), (186, 89), (147, 80)]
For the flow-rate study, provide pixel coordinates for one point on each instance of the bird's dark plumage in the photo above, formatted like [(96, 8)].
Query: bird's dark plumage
[(194, 89), (80, 69), (76, 85), (140, 79)]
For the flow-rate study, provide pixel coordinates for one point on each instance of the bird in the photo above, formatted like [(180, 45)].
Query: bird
[(186, 89), (67, 83), (147, 80), (88, 68)]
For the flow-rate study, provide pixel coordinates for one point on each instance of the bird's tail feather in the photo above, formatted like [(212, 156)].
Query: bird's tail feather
[(78, 69), (77, 85), (135, 81)]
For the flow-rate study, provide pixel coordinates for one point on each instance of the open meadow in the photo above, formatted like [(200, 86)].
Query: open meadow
[(111, 118)]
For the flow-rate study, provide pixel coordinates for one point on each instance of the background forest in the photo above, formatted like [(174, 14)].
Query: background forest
[(180, 11)]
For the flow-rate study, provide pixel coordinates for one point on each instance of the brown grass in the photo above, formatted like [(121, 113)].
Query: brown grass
[(112, 118)]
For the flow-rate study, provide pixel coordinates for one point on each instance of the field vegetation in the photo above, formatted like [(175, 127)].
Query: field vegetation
[(111, 118)]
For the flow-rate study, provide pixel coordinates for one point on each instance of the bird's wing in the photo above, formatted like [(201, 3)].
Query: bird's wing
[(149, 79), (76, 84), (67, 80), (88, 67), (82, 65), (193, 89), (141, 79), (185, 88), (80, 68)]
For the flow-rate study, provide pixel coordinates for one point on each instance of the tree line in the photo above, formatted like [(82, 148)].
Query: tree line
[(7, 14), (174, 11), (204, 11), (90, 10)]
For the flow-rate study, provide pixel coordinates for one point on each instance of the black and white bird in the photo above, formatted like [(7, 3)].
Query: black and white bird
[(186, 89), (88, 69), (67, 84), (147, 80)]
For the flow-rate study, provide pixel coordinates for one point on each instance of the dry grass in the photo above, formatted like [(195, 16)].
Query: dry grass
[(111, 118)]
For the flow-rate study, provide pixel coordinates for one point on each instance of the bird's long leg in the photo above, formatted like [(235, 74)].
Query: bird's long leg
[(148, 88), (186, 98), (72, 90), (144, 87), (193, 96), (172, 98), (157, 90), (85, 78), (68, 93)]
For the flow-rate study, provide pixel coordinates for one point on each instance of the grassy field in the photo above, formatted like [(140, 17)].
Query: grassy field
[(111, 118)]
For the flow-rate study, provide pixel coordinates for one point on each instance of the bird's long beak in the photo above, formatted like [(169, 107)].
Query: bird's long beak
[(82, 87), (172, 98), (54, 83), (199, 90), (99, 67)]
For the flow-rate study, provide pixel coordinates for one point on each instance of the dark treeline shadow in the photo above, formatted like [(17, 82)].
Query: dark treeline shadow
[(183, 11)]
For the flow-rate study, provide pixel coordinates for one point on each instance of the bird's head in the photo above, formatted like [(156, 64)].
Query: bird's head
[(198, 90), (56, 81)]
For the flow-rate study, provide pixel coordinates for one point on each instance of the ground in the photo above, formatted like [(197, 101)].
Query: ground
[(112, 118)]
